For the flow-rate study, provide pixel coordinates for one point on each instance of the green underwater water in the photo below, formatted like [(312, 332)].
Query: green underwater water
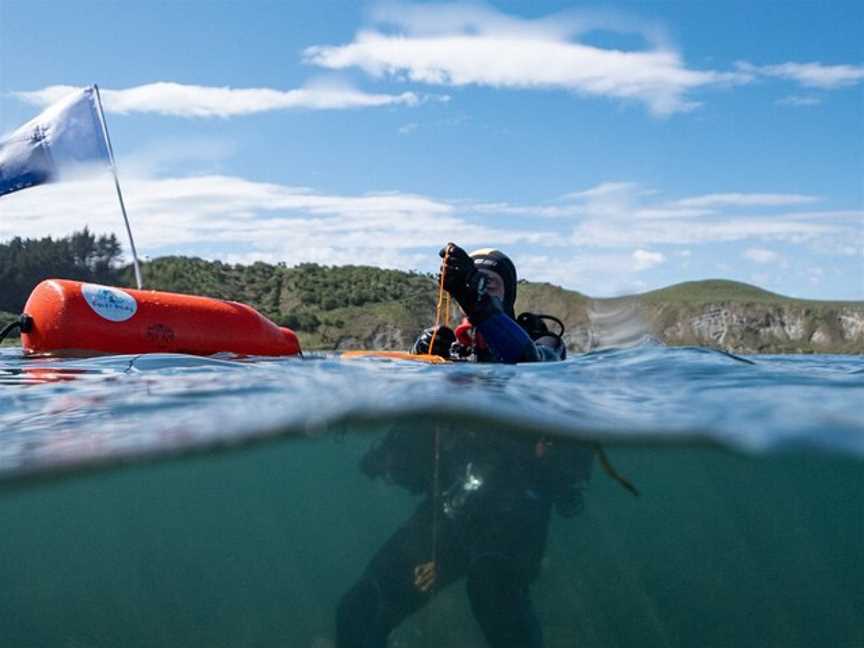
[(254, 546)]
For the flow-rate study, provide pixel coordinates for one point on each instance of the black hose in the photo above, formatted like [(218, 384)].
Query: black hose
[(8, 329), (24, 324)]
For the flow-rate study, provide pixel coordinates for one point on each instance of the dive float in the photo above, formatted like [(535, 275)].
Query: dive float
[(71, 317)]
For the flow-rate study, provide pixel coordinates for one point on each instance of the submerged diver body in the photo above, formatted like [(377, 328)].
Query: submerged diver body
[(488, 501)]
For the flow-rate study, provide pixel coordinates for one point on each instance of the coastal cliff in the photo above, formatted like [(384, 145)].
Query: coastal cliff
[(718, 314)]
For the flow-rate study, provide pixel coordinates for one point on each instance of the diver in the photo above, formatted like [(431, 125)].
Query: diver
[(487, 498)]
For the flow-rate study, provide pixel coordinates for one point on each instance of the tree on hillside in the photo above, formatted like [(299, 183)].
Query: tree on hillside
[(81, 256)]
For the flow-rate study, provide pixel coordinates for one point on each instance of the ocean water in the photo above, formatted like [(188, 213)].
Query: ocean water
[(168, 500)]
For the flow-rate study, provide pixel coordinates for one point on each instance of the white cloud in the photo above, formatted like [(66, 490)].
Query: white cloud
[(811, 75), (608, 190), (631, 201), (407, 129), (454, 45), (746, 200), (799, 100), (179, 100), (815, 275), (627, 215), (761, 256), (645, 260), (222, 216), (594, 273), (671, 232)]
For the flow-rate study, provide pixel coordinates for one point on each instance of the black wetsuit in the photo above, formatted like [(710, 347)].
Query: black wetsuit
[(487, 522)]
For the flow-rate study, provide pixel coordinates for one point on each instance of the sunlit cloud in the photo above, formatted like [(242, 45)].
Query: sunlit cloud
[(799, 101), (645, 260), (455, 45), (631, 201), (761, 256), (597, 273), (669, 232), (815, 274), (746, 200), (626, 214), (811, 75), (180, 100), (222, 216)]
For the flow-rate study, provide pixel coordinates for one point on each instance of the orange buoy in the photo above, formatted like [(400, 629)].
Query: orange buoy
[(73, 317)]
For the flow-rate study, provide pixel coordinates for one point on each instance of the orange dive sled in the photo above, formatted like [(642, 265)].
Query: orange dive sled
[(74, 317)]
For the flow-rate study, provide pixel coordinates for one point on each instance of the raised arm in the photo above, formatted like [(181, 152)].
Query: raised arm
[(467, 286)]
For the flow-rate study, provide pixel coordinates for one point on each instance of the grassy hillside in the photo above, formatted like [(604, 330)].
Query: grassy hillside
[(722, 290)]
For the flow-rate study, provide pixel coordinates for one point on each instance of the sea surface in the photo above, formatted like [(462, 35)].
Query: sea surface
[(171, 500)]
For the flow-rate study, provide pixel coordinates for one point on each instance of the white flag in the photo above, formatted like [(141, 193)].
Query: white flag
[(67, 134)]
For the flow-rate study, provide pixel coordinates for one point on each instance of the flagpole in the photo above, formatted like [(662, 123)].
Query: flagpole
[(117, 185)]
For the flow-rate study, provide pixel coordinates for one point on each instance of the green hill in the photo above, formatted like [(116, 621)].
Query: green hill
[(712, 290), (724, 290)]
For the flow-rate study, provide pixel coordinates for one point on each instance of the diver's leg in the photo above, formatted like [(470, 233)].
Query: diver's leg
[(506, 549), (358, 617), (501, 602), (390, 589)]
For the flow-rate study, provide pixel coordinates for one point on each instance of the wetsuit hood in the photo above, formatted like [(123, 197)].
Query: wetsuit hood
[(497, 261)]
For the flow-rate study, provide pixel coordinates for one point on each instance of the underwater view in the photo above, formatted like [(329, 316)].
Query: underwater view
[(694, 498)]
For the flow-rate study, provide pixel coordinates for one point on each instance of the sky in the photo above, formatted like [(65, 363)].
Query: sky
[(607, 148)]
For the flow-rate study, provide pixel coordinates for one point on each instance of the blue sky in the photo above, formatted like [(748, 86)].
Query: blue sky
[(608, 148)]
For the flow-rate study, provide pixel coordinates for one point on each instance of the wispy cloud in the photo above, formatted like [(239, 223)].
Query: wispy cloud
[(747, 200), (815, 274), (455, 45), (761, 255), (811, 75), (234, 218), (788, 229), (649, 220), (596, 273), (626, 214), (630, 201), (645, 260), (180, 100), (799, 101)]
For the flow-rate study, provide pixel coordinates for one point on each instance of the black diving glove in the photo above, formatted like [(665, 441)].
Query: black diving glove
[(444, 339), (467, 285)]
